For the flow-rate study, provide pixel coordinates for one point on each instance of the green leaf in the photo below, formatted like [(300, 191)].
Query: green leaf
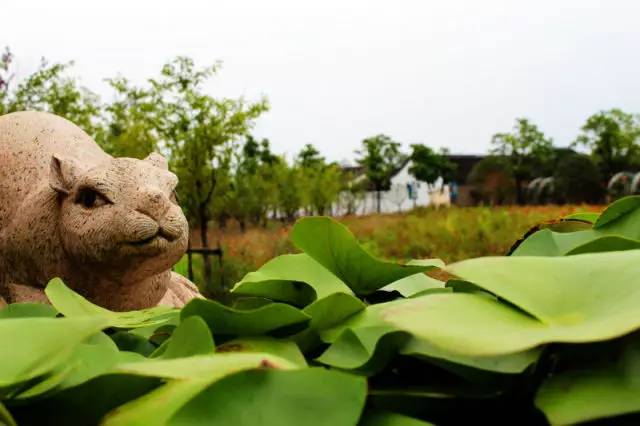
[(315, 396), (608, 386), (332, 245), (5, 417), (193, 375), (607, 243), (549, 243), (579, 299), (291, 278), (386, 418), (191, 337), (71, 304), (28, 310), (332, 310), (35, 346), (202, 366), (621, 219), (366, 341), (156, 407), (285, 349), (414, 284), (590, 217), (617, 210), (92, 358), (223, 320), (130, 342)]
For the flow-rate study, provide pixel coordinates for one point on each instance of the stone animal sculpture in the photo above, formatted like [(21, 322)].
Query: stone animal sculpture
[(109, 227)]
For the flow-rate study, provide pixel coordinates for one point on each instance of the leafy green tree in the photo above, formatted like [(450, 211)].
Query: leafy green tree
[(493, 181), (577, 180), (320, 183), (6, 76), (131, 128), (525, 149), (379, 156), (197, 130), (309, 157), (50, 89), (612, 137), (289, 187), (428, 165)]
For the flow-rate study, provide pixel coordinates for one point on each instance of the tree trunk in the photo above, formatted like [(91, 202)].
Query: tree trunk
[(189, 260), (378, 200), (519, 195), (204, 237)]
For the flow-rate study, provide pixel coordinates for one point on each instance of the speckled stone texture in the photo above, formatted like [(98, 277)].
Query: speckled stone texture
[(109, 227)]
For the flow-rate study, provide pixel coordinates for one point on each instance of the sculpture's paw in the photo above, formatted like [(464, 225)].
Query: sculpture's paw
[(180, 291)]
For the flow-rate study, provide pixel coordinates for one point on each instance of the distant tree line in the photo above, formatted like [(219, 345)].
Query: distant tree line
[(607, 143)]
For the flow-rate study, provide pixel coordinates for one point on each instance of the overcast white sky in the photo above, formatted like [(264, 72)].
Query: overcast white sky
[(445, 73)]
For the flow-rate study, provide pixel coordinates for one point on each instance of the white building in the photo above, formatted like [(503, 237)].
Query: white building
[(405, 193)]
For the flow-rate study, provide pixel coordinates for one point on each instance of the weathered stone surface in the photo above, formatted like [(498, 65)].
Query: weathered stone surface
[(109, 227)]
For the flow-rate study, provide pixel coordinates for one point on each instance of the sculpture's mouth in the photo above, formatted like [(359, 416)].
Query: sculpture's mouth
[(146, 241), (162, 237)]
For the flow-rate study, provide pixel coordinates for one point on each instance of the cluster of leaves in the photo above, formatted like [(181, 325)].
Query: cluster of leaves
[(336, 337)]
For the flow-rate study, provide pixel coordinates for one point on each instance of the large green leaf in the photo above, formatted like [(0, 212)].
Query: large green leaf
[(223, 320), (414, 284), (202, 366), (292, 278), (28, 310), (332, 245), (366, 341), (191, 337), (606, 385), (332, 310), (35, 346), (582, 298), (5, 417), (620, 222), (71, 304), (593, 293), (92, 358), (313, 396), (285, 349), (192, 375)]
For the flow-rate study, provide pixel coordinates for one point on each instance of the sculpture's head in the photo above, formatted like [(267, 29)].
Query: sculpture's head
[(120, 218)]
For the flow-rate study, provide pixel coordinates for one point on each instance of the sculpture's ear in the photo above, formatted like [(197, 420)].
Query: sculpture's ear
[(63, 174), (157, 160)]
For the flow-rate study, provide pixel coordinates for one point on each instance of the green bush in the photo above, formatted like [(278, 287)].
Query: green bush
[(333, 336)]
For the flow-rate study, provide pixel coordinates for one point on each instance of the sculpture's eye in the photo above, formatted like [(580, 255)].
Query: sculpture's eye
[(90, 198)]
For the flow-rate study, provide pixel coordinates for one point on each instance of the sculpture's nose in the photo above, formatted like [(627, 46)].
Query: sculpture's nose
[(153, 204), (168, 216)]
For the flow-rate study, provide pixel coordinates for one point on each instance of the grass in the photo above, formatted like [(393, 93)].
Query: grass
[(449, 234)]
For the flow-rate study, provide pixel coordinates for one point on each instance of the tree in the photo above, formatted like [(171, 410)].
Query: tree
[(612, 137), (493, 180), (309, 157), (380, 157), (50, 89), (6, 76), (131, 128), (428, 165), (577, 180), (525, 149), (197, 130)]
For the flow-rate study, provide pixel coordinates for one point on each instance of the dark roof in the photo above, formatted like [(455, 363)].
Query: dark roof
[(464, 163)]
